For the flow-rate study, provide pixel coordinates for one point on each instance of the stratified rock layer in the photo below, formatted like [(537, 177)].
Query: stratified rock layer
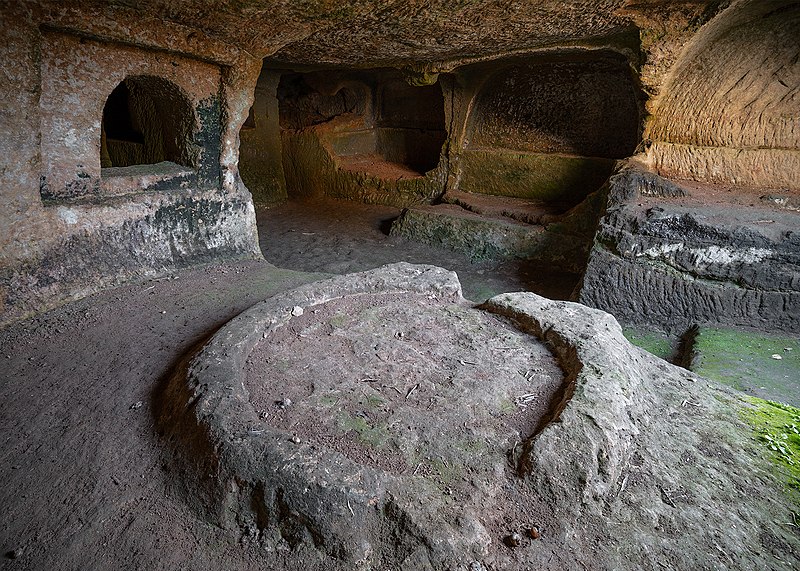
[(670, 263)]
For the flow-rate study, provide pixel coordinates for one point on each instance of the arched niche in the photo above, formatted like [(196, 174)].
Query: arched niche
[(729, 110), (583, 107), (411, 124), (549, 127), (148, 120), (373, 121)]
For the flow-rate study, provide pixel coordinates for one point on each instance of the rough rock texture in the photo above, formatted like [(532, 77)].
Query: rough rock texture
[(674, 262), (251, 474), (639, 463), (422, 36), (260, 153), (70, 227), (545, 106), (313, 168), (728, 110), (647, 465), (539, 176), (402, 104), (455, 228), (70, 133), (490, 227), (362, 135), (664, 29), (397, 32)]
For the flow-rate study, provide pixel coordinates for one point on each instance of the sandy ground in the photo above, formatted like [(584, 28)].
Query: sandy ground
[(83, 480), (340, 237), (85, 485)]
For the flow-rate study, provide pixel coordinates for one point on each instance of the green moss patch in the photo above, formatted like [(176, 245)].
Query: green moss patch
[(655, 342), (777, 427), (375, 436), (747, 361)]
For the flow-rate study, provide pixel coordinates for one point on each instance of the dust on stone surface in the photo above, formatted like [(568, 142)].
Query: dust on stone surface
[(409, 384), (418, 387)]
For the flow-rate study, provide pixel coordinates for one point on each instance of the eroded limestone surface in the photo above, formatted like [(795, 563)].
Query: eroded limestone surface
[(372, 415), (382, 455), (672, 255), (408, 383)]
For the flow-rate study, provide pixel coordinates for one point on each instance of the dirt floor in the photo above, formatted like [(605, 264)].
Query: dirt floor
[(85, 485), (339, 237)]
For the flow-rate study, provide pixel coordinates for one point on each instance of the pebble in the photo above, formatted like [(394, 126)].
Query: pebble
[(136, 405), (285, 403), (296, 439), (14, 553), (513, 540), (777, 357), (297, 311), (534, 532)]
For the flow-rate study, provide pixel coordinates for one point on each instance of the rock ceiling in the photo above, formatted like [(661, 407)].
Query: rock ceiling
[(370, 33)]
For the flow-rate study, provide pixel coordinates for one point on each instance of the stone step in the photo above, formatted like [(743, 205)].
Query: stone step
[(489, 227), (504, 207)]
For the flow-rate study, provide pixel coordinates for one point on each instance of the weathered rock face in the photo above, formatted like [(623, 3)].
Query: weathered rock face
[(118, 114), (612, 480), (504, 143), (415, 486), (362, 135), (729, 108), (122, 152), (671, 257)]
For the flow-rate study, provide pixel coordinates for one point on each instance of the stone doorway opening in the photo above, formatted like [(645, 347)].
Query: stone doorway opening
[(147, 120)]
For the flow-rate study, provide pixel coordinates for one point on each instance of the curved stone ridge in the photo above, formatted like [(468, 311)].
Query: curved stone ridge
[(635, 451), (647, 464), (264, 478)]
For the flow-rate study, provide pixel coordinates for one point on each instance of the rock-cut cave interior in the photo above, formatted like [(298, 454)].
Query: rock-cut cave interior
[(473, 285)]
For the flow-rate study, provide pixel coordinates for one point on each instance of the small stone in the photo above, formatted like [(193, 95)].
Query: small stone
[(297, 311), (777, 357), (476, 566), (787, 348), (14, 553), (137, 404), (296, 439), (284, 404), (513, 540), (534, 532), (164, 311)]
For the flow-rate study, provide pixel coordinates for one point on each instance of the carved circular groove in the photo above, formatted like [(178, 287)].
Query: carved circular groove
[(373, 415)]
